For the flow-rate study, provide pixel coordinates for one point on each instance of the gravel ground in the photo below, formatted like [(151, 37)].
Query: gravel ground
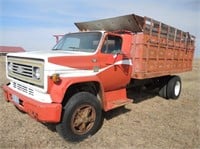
[(153, 123)]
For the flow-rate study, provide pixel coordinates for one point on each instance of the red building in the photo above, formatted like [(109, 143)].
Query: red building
[(8, 49)]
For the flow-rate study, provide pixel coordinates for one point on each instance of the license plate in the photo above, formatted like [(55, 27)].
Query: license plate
[(15, 99)]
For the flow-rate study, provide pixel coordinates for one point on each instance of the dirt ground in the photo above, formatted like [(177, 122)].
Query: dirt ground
[(153, 123)]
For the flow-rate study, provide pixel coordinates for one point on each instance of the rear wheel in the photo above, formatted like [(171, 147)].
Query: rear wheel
[(82, 117), (163, 91), (174, 87), (171, 88)]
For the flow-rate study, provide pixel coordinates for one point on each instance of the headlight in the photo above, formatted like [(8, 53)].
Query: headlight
[(36, 73)]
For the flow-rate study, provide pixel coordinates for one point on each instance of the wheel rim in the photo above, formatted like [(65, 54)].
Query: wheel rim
[(83, 119), (177, 88)]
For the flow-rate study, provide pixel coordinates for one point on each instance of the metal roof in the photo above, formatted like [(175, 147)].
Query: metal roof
[(130, 22)]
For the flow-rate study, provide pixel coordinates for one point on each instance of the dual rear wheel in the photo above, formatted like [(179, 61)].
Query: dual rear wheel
[(172, 88)]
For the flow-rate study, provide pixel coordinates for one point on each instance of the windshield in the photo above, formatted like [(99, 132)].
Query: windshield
[(83, 41)]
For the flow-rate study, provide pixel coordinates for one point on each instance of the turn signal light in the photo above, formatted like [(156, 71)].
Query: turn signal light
[(56, 78)]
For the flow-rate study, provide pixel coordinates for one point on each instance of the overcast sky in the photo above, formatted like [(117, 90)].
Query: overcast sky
[(31, 23)]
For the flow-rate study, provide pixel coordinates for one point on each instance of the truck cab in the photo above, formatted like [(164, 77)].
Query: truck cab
[(92, 62)]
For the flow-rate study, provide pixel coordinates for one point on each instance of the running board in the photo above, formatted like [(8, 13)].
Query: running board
[(114, 99)]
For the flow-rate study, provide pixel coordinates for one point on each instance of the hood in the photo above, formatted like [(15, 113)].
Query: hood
[(48, 54), (60, 60)]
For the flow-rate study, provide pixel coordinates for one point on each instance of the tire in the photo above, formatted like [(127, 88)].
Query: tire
[(174, 87), (163, 82), (163, 91), (82, 117)]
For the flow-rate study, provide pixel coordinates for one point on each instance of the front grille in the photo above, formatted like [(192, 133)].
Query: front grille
[(23, 88), (22, 69)]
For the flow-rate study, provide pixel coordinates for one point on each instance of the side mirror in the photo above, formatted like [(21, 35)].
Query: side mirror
[(124, 54)]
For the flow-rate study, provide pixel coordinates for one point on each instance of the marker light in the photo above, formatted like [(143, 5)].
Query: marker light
[(56, 78)]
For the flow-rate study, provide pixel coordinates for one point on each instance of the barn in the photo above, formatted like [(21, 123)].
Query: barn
[(8, 49)]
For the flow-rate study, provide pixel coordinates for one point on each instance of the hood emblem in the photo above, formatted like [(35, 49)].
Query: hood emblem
[(20, 69)]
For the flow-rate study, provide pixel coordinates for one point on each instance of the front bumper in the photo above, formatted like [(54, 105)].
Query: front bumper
[(44, 112)]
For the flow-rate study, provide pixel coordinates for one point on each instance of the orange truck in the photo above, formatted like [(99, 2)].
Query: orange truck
[(89, 72)]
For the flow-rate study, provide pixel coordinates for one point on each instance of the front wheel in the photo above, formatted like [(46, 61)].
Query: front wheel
[(82, 117)]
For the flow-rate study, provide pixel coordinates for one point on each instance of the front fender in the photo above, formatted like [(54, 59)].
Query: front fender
[(57, 90)]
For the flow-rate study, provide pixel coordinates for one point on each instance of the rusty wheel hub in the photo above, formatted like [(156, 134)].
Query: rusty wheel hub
[(83, 119)]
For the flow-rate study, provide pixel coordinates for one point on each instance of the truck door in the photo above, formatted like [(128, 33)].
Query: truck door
[(116, 66)]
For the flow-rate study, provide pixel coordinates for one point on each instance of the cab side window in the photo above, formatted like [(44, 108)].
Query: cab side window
[(112, 45)]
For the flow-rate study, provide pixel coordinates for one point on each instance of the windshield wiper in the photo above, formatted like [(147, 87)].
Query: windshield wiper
[(74, 48), (55, 49)]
